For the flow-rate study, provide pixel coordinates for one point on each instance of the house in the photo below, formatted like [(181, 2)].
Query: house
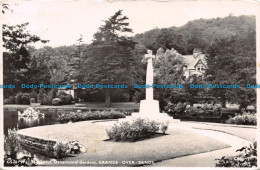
[(68, 90), (196, 64)]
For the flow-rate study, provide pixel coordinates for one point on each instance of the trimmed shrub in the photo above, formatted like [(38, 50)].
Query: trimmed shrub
[(56, 101), (66, 98), (246, 118), (12, 143), (22, 98), (134, 130), (89, 115)]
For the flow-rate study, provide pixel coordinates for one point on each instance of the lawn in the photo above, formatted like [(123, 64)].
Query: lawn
[(93, 136), (248, 133)]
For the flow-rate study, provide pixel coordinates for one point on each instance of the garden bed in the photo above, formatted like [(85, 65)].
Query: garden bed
[(217, 119)]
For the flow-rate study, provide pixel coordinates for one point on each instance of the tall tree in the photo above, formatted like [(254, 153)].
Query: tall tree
[(78, 74), (168, 68), (16, 58), (232, 61), (109, 57)]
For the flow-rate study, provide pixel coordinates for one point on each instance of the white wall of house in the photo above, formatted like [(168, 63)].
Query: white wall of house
[(69, 91)]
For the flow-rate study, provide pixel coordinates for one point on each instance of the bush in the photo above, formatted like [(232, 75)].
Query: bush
[(22, 98), (178, 108), (61, 150), (49, 149), (10, 100), (56, 101), (120, 96), (193, 111), (138, 96), (248, 158), (33, 94), (66, 98), (204, 110), (208, 109), (217, 110), (89, 115), (47, 99), (246, 118), (32, 100), (11, 143), (131, 131), (40, 96)]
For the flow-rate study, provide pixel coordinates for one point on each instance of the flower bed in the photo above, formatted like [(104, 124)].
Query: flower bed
[(136, 129), (89, 115), (51, 148)]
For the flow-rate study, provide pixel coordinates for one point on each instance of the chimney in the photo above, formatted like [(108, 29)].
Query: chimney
[(196, 53)]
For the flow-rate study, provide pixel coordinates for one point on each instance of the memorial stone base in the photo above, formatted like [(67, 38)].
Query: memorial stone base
[(149, 109)]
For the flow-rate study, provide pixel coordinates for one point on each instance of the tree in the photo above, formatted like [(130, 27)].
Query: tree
[(109, 57), (48, 65), (168, 69), (232, 61), (77, 76), (16, 58)]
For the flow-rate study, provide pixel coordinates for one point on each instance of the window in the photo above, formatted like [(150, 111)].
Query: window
[(200, 68)]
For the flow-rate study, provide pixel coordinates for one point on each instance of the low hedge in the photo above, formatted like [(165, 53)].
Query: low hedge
[(89, 115)]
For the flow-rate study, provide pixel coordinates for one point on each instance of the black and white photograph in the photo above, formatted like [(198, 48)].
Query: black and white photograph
[(149, 83)]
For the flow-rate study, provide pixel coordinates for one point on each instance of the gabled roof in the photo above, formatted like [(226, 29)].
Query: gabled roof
[(191, 62), (201, 61)]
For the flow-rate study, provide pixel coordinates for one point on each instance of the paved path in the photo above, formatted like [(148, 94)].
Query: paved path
[(205, 159)]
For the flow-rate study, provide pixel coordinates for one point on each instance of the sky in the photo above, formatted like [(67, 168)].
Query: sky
[(62, 21)]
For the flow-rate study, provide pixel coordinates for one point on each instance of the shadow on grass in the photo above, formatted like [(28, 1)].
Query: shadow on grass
[(148, 136), (105, 120)]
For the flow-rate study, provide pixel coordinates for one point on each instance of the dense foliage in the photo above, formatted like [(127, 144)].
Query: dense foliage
[(246, 118), (109, 56), (230, 44), (12, 143), (16, 57), (246, 158)]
